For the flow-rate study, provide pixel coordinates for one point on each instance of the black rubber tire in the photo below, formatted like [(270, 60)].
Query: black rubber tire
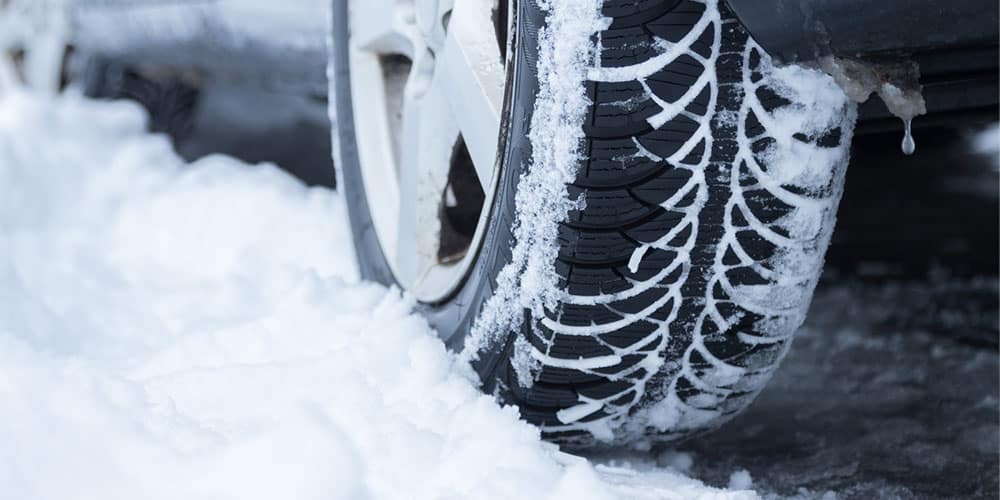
[(703, 374)]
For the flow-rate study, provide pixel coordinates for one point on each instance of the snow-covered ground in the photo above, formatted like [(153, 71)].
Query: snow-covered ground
[(172, 330)]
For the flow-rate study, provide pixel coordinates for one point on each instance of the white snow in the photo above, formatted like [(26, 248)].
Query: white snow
[(986, 142), (197, 331), (679, 461), (740, 480)]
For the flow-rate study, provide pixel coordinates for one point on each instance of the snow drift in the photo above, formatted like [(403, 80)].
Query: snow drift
[(199, 331)]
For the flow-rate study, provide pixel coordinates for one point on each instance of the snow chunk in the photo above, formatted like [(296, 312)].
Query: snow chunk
[(897, 84), (986, 142), (677, 460), (740, 480)]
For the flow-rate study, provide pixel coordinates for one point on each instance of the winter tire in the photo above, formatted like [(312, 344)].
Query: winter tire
[(688, 236)]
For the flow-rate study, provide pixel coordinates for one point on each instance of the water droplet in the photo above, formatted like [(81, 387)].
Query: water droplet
[(909, 146)]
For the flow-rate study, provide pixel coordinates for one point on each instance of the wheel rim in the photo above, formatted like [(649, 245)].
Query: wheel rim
[(33, 40), (428, 80)]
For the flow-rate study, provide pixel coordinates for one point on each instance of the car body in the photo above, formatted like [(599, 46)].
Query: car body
[(953, 43), (253, 43), (256, 43)]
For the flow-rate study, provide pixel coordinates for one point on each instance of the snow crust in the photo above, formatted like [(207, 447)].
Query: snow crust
[(816, 106), (529, 281), (897, 84), (198, 331)]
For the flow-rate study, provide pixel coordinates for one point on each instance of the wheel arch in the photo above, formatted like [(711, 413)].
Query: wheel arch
[(801, 30)]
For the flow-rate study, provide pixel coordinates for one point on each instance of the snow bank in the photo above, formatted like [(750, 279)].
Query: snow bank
[(198, 331)]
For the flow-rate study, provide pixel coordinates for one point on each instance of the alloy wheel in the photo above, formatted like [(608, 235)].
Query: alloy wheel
[(428, 80)]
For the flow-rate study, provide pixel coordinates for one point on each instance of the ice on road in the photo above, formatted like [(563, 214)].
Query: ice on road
[(172, 330)]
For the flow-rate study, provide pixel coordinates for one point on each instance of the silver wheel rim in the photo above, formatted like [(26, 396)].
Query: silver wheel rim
[(427, 80), (38, 32)]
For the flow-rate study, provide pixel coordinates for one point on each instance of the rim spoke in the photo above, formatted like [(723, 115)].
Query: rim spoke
[(43, 65), (40, 30), (473, 77), (384, 27), (428, 141), (431, 16), (8, 74)]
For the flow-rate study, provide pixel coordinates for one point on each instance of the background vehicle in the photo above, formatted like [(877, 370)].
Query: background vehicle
[(585, 386)]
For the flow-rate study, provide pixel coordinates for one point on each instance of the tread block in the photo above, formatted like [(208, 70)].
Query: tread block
[(609, 209), (631, 335), (593, 247), (616, 163)]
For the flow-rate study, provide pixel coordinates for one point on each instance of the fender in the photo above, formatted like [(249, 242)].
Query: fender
[(953, 42), (803, 30), (278, 45)]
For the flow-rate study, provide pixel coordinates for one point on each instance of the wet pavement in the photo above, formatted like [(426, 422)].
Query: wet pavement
[(867, 409), (891, 388)]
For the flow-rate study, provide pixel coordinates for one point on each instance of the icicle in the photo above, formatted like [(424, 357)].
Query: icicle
[(909, 146), (898, 84)]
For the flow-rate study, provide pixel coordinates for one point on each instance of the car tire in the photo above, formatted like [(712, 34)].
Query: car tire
[(697, 241)]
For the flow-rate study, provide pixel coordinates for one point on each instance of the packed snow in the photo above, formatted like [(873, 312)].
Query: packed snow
[(172, 330)]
